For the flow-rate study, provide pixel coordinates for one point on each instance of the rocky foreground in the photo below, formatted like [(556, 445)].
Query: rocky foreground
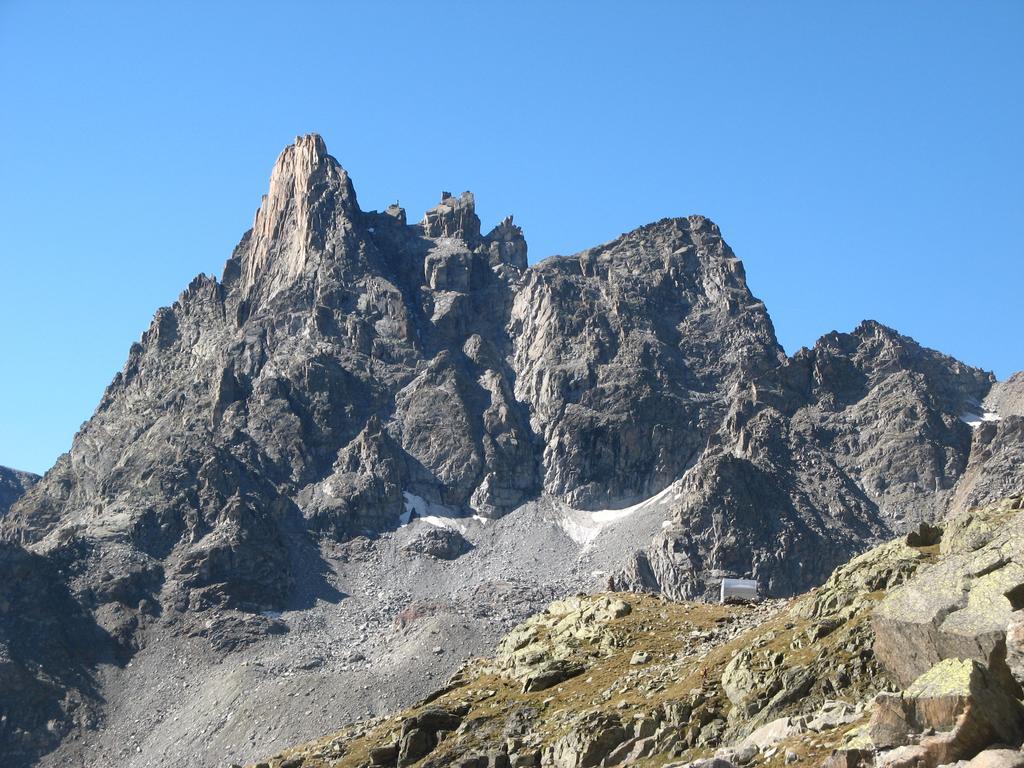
[(912, 654)]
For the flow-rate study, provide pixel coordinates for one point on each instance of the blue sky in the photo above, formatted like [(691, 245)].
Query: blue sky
[(863, 159)]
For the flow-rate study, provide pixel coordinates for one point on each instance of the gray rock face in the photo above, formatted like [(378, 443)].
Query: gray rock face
[(626, 354), (841, 444), (48, 644), (349, 367), (13, 485)]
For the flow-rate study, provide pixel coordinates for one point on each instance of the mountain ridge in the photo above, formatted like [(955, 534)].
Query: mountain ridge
[(364, 420)]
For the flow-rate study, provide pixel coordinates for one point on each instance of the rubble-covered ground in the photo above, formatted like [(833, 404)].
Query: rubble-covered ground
[(832, 677)]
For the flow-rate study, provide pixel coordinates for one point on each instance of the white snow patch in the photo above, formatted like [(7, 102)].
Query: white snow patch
[(578, 531), (603, 516), (437, 515), (583, 526), (975, 420)]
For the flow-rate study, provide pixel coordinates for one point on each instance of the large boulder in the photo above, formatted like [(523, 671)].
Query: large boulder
[(960, 607), (439, 543), (957, 706), (588, 744), (557, 644)]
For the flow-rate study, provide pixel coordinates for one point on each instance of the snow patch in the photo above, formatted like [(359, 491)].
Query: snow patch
[(583, 526), (975, 420), (603, 516), (437, 515), (578, 531)]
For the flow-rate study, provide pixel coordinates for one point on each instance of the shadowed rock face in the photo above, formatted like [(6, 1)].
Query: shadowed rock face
[(48, 644), (13, 485), (347, 362)]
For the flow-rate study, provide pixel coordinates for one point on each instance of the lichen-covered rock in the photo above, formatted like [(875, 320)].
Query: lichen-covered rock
[(551, 646), (849, 588), (593, 738), (957, 705), (960, 607)]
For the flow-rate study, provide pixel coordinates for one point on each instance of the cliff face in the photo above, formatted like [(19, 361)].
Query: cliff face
[(13, 485), (351, 371)]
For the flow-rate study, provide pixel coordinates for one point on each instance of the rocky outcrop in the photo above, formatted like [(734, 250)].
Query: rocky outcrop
[(626, 354), (440, 543), (960, 607), (13, 485), (993, 470), (951, 712), (1006, 398)]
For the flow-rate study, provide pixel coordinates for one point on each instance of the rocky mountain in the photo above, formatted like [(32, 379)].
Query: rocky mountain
[(13, 485), (861, 436), (891, 662), (370, 439)]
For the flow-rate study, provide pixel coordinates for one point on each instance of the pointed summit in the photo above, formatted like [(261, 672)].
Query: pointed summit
[(310, 197), (453, 217)]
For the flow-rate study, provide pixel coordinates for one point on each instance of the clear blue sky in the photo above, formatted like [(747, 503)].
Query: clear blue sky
[(863, 159)]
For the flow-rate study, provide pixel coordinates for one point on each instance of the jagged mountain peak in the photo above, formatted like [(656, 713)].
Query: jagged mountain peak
[(453, 217), (273, 437), (310, 203)]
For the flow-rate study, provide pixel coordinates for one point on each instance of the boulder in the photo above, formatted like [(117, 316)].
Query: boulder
[(832, 714), (925, 535), (416, 744), (707, 762), (384, 755), (849, 758), (551, 673), (997, 758), (960, 607), (959, 708), (439, 543), (770, 734), (588, 743)]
